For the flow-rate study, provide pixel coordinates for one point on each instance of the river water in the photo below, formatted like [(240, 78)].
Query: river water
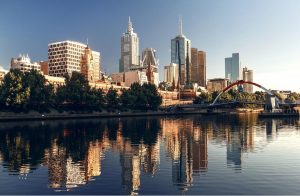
[(230, 154)]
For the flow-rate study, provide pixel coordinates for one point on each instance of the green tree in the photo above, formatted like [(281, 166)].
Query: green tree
[(204, 97), (112, 99), (153, 98), (96, 99), (127, 99), (41, 94), (13, 93)]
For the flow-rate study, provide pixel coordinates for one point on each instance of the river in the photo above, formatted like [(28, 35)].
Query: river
[(228, 154)]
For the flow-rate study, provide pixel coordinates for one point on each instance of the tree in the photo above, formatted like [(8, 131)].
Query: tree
[(95, 99), (112, 99), (153, 98), (13, 93), (41, 94), (127, 99), (204, 97), (76, 90)]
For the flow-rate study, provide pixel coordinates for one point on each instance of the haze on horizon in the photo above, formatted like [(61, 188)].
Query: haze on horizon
[(265, 33)]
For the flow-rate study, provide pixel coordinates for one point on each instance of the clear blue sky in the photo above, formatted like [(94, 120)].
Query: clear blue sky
[(266, 33)]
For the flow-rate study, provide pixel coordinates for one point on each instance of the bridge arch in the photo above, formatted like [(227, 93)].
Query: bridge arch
[(239, 82)]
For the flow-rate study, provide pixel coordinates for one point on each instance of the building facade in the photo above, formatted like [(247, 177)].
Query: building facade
[(217, 84), (129, 49), (248, 76), (150, 64), (171, 73), (44, 67), (181, 55), (65, 57), (24, 64), (129, 77), (233, 68), (198, 67), (89, 65)]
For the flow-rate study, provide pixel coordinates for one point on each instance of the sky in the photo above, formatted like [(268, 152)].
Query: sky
[(266, 33)]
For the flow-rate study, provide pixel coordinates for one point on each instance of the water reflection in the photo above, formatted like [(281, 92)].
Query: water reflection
[(73, 151)]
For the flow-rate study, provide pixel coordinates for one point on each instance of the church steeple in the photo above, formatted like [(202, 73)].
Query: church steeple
[(130, 29)]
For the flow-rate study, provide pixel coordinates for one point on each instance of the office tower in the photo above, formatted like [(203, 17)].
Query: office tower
[(129, 49), (171, 73), (248, 76), (198, 68), (89, 65), (232, 67), (181, 55), (150, 63), (24, 64), (65, 57)]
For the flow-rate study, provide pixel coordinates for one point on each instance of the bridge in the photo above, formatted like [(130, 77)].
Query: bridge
[(216, 104)]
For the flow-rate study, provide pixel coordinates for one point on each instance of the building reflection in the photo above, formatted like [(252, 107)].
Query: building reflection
[(74, 154)]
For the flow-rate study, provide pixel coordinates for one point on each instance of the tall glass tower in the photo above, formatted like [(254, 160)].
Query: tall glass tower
[(181, 55), (232, 67), (129, 49)]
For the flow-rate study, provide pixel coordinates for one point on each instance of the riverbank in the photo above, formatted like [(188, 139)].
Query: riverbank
[(55, 115)]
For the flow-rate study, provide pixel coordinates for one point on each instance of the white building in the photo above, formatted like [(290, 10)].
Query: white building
[(130, 77), (23, 63), (129, 49), (171, 73), (64, 57)]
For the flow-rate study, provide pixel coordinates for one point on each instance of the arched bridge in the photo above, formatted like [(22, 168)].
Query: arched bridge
[(240, 82)]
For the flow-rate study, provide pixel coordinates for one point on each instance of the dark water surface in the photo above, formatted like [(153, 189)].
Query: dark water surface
[(151, 155)]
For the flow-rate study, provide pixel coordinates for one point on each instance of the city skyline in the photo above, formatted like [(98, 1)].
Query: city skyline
[(267, 40)]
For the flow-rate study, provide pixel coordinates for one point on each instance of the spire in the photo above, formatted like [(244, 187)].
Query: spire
[(180, 25), (130, 29)]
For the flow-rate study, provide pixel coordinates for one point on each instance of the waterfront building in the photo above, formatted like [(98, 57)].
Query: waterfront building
[(65, 57), (24, 64), (233, 68), (217, 84), (181, 55), (89, 65), (198, 68), (248, 76), (129, 77), (150, 64), (171, 74), (44, 67), (129, 49)]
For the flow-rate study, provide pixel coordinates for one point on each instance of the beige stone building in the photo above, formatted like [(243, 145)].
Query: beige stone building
[(248, 76), (24, 64), (198, 70), (217, 84), (89, 66), (65, 57)]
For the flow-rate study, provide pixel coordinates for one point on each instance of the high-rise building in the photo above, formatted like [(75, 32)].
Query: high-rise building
[(198, 68), (233, 68), (171, 73), (24, 63), (65, 57), (89, 65), (129, 49), (248, 76), (181, 55), (150, 64)]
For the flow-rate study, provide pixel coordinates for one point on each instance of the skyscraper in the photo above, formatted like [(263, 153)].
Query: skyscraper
[(181, 55), (129, 49), (198, 67), (232, 67), (248, 76), (65, 57)]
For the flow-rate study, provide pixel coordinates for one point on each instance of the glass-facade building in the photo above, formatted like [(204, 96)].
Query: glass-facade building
[(232, 67), (181, 51)]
